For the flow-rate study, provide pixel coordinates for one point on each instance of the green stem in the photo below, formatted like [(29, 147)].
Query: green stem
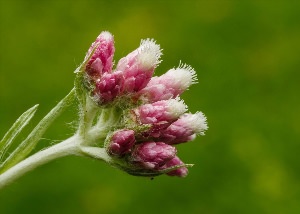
[(67, 147), (82, 104), (89, 111), (71, 146)]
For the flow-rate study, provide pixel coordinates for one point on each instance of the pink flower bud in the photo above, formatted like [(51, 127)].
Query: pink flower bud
[(180, 172), (139, 65), (169, 85), (152, 155), (101, 60), (160, 111), (185, 128), (121, 142), (109, 86)]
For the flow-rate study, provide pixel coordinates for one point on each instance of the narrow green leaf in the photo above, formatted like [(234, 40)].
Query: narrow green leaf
[(15, 130), (30, 142)]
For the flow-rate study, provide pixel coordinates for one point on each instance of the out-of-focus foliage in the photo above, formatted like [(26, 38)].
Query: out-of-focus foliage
[(247, 57)]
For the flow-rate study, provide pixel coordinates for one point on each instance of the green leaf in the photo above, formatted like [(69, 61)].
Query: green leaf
[(15, 130), (32, 139)]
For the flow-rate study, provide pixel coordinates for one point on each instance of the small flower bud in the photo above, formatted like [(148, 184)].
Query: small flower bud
[(185, 128), (139, 65), (169, 85), (122, 142), (101, 60), (152, 155), (109, 86), (180, 172), (161, 111)]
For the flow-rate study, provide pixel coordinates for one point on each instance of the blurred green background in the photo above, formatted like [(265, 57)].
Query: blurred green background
[(246, 54)]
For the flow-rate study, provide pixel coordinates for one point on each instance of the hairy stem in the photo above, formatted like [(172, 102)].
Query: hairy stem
[(67, 147)]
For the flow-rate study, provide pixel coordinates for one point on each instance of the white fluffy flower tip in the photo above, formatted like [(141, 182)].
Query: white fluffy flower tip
[(197, 122), (105, 35), (149, 54), (177, 107), (183, 76)]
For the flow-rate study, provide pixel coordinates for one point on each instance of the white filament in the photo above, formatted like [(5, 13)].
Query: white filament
[(149, 54)]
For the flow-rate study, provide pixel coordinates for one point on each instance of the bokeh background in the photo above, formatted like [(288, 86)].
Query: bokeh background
[(247, 57)]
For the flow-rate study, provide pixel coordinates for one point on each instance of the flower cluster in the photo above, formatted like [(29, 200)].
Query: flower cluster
[(153, 117)]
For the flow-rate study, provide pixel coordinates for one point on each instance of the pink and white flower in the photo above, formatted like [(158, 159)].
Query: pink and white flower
[(160, 111), (138, 66), (152, 118), (185, 128), (169, 85)]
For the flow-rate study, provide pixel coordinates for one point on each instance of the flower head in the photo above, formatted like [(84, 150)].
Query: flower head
[(185, 128), (138, 66), (152, 155), (169, 85), (108, 87), (100, 55), (121, 142), (160, 111)]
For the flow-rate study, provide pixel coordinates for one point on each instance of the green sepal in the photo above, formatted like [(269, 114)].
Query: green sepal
[(140, 171), (169, 169)]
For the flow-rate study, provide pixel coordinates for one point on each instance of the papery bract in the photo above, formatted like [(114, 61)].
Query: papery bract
[(160, 111), (121, 143), (152, 155), (109, 86), (169, 85), (139, 65), (102, 51), (184, 129)]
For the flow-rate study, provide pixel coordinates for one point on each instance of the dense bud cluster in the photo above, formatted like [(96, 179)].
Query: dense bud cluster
[(128, 118), (154, 118)]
